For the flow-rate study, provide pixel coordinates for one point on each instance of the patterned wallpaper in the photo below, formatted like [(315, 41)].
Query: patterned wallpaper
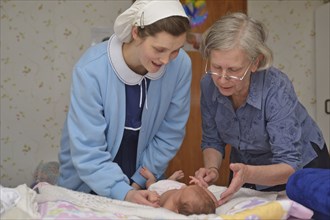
[(41, 41), (291, 37)]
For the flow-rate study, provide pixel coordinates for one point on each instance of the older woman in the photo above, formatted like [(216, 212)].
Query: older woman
[(247, 103)]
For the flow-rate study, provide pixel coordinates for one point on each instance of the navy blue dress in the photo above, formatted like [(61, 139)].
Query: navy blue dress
[(135, 99)]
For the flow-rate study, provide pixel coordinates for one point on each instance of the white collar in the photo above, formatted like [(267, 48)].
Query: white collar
[(124, 73)]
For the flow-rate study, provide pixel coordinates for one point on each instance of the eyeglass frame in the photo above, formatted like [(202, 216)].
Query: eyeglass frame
[(228, 77)]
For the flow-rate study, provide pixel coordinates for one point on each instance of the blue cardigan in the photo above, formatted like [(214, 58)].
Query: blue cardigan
[(95, 122)]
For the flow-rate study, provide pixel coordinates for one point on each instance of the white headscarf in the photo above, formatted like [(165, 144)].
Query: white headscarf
[(145, 12)]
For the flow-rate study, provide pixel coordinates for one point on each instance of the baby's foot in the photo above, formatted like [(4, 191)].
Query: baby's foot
[(179, 174), (148, 175)]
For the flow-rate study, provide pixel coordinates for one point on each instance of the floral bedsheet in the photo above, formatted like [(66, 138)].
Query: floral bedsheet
[(57, 203)]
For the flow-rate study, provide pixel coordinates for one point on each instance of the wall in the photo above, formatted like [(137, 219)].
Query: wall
[(291, 37), (41, 41)]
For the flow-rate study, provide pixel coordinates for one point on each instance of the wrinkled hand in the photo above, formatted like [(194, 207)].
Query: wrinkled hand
[(143, 197), (239, 176), (206, 176)]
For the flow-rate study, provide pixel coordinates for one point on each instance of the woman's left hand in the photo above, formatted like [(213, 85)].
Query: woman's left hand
[(206, 176), (240, 172)]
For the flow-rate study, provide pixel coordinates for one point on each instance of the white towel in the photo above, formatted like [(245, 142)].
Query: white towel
[(19, 203), (9, 198)]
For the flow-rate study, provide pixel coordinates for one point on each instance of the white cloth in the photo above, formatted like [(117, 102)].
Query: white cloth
[(20, 203), (145, 12), (243, 206), (124, 73), (244, 194), (162, 186), (9, 198), (124, 209)]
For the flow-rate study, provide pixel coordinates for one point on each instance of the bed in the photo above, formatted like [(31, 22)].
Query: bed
[(47, 201)]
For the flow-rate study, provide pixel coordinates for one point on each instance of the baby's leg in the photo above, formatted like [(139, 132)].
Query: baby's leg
[(148, 175), (179, 174)]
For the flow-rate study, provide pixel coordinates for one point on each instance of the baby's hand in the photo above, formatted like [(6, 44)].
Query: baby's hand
[(195, 181)]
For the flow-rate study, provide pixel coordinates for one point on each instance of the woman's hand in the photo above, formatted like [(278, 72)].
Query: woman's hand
[(266, 175), (143, 197), (240, 172), (209, 173), (207, 176)]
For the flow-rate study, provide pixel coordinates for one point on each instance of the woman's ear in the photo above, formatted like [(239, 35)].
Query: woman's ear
[(135, 32), (256, 62)]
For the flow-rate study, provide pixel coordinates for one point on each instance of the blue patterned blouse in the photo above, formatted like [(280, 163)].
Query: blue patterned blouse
[(271, 127)]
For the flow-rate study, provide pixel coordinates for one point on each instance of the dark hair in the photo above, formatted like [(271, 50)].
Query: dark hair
[(174, 25), (201, 204)]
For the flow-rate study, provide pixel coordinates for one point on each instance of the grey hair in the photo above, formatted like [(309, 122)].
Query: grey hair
[(237, 30)]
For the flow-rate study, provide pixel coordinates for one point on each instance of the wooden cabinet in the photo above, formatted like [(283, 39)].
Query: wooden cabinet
[(189, 158)]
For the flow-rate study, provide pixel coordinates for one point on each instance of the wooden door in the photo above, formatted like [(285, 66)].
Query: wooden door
[(189, 158)]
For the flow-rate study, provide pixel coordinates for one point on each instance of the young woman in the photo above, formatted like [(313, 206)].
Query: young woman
[(130, 102)]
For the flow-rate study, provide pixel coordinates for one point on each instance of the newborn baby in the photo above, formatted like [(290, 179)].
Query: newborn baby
[(179, 197)]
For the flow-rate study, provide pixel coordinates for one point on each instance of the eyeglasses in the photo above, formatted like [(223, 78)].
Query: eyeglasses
[(228, 77)]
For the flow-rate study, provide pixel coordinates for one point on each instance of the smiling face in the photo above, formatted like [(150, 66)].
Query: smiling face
[(152, 52)]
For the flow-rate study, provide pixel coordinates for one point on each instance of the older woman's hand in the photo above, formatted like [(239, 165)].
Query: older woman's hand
[(206, 176), (239, 179)]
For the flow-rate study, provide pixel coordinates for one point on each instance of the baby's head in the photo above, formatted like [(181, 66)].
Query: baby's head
[(196, 200)]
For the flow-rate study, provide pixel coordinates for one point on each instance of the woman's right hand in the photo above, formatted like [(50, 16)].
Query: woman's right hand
[(143, 197), (207, 176)]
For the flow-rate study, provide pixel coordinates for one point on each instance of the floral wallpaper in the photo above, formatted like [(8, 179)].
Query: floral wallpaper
[(40, 43), (290, 25), (42, 39)]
